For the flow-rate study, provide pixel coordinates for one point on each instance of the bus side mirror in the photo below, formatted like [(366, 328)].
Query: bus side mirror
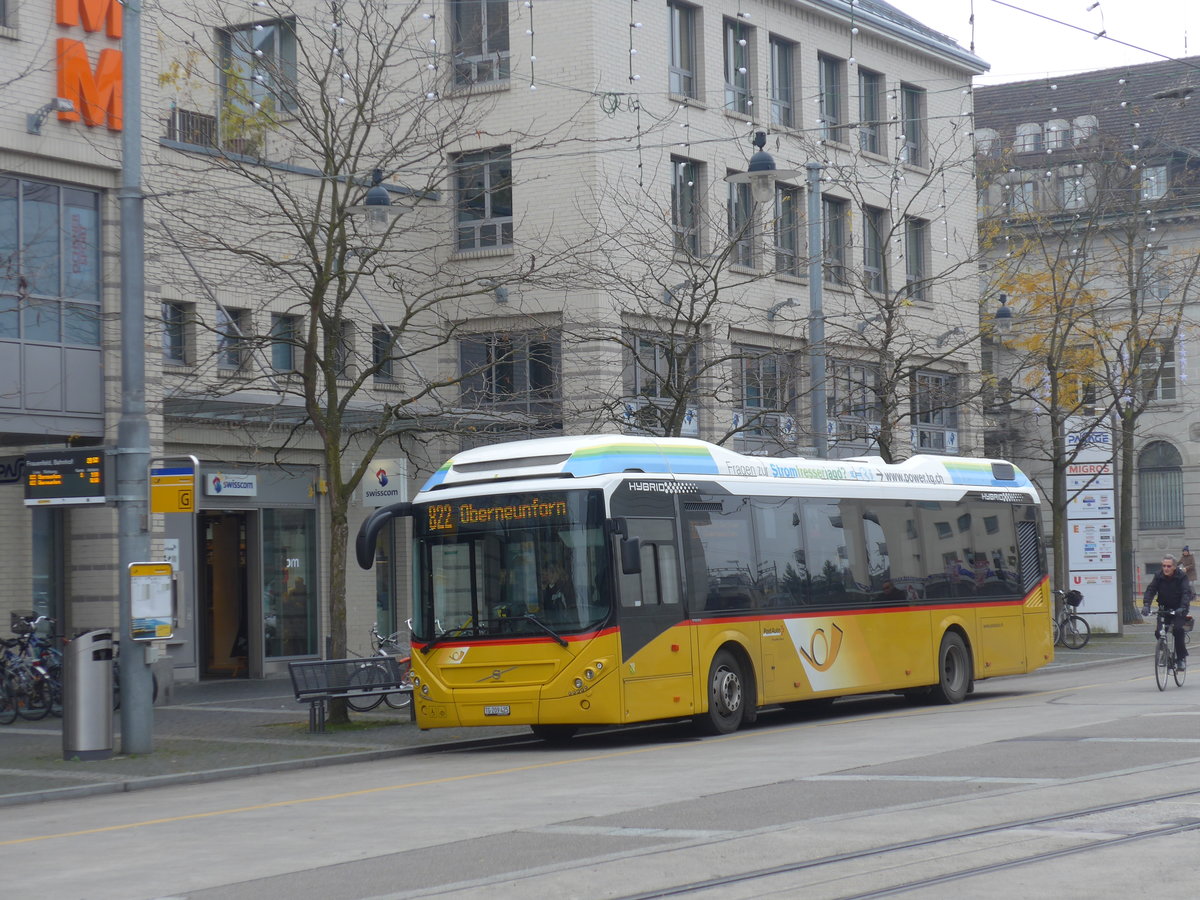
[(631, 556), (368, 533)]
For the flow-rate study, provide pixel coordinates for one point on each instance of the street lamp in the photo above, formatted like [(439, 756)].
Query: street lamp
[(761, 173), (376, 206), (1004, 316)]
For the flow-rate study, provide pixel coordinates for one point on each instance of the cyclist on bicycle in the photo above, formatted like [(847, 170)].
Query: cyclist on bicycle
[(1174, 591)]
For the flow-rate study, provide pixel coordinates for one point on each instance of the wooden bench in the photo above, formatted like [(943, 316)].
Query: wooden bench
[(317, 681)]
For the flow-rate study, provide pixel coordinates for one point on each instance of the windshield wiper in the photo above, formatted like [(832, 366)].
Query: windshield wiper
[(546, 628), (448, 633)]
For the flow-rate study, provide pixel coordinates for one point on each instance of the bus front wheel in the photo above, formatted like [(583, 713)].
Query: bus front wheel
[(726, 696), (954, 670)]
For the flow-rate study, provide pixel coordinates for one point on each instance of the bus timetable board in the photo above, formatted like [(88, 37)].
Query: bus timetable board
[(55, 477)]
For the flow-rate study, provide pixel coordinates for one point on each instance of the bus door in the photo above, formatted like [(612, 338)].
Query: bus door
[(656, 644)]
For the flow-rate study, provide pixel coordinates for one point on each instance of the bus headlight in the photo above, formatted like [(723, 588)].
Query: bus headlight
[(589, 674), (578, 683), (424, 690)]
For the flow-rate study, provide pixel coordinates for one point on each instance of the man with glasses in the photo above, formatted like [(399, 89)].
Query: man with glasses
[(1174, 591)]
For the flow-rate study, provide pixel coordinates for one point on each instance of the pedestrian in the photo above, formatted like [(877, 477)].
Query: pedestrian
[(1175, 595), (1187, 562)]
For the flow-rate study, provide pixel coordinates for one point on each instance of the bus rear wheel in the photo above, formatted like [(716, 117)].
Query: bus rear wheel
[(726, 696), (954, 670)]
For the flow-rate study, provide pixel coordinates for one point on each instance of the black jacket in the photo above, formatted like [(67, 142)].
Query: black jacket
[(1174, 591)]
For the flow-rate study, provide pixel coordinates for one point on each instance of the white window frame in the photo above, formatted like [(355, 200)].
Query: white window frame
[(783, 82), (683, 65), (481, 58)]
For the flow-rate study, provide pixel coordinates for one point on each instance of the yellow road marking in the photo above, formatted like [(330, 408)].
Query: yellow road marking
[(509, 771)]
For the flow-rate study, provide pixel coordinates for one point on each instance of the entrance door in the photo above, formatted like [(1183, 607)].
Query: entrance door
[(656, 655), (223, 595)]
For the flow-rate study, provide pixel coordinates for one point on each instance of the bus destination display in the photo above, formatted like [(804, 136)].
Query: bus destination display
[(446, 518), (54, 477)]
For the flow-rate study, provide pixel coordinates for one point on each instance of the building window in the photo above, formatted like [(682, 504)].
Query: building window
[(1073, 191), (1029, 138), (285, 341), (49, 263), (661, 367), (912, 103), (483, 189), (685, 204), (916, 258), (738, 41), (853, 400), (833, 234), (176, 319), (1159, 376), (787, 231), (289, 562), (870, 111), (479, 40), (1024, 198), (513, 372), (874, 260), (831, 97), (232, 325), (762, 391), (258, 72), (783, 87), (1082, 128), (935, 411), (1160, 487), (741, 225), (1153, 182), (383, 352), (682, 50), (1057, 133)]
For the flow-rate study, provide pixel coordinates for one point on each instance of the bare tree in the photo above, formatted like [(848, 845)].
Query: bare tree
[(332, 313)]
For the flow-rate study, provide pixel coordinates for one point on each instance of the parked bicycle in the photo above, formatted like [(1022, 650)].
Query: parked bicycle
[(1071, 630), (30, 671), (1166, 664), (372, 673)]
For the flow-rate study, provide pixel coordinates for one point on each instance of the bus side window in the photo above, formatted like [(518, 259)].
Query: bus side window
[(657, 583)]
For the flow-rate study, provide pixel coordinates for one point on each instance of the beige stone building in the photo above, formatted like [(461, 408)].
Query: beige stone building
[(570, 257)]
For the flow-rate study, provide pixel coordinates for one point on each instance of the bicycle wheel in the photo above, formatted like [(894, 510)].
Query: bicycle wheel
[(8, 702), (402, 699), (367, 675), (33, 700), (1076, 632), (1057, 632), (1161, 657)]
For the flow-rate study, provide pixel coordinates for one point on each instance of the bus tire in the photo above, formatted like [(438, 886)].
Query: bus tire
[(554, 734), (726, 696), (954, 670)]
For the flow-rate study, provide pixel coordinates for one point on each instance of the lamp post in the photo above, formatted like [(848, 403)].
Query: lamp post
[(761, 174), (133, 428), (816, 312)]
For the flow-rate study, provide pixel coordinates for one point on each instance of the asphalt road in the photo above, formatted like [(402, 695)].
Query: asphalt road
[(1074, 781)]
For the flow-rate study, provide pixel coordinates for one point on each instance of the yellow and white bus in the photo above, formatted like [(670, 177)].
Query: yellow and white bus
[(609, 579)]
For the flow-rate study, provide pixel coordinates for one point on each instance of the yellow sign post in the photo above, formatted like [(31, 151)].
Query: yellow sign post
[(173, 488)]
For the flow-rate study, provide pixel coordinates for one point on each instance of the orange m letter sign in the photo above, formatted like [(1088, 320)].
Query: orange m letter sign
[(93, 12), (96, 95)]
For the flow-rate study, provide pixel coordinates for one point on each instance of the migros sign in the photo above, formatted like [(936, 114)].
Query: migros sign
[(96, 93)]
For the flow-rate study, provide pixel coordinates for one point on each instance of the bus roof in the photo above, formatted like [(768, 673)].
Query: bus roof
[(612, 454)]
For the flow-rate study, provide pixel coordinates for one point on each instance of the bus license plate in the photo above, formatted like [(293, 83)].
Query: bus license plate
[(497, 711)]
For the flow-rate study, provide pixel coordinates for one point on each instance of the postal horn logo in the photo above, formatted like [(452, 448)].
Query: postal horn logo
[(381, 476)]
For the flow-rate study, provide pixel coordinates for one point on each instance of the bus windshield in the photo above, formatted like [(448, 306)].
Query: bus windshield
[(510, 564)]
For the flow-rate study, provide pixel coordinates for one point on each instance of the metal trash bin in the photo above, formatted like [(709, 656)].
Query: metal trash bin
[(88, 696)]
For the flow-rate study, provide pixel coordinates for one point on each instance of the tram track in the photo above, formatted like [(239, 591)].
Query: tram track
[(1089, 841)]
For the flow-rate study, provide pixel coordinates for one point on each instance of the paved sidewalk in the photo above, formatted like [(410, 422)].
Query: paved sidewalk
[(228, 729)]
